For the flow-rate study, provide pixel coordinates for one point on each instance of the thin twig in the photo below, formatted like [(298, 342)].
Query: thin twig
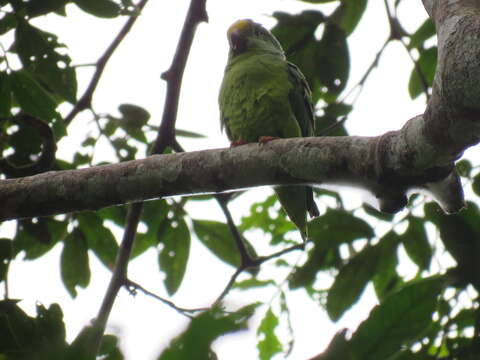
[(229, 285), (260, 260), (184, 311), (118, 275), (365, 76), (387, 8), (166, 132), (85, 101), (255, 262), (246, 259)]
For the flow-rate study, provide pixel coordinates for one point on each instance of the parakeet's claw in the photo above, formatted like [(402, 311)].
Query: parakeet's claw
[(266, 139), (237, 143)]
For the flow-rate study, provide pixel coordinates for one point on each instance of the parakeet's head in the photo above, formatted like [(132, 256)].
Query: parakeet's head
[(248, 36)]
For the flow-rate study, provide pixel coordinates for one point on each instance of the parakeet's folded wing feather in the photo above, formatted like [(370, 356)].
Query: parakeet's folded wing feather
[(300, 98)]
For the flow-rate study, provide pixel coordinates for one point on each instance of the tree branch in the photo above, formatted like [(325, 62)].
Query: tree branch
[(387, 166), (184, 311), (222, 200), (166, 132)]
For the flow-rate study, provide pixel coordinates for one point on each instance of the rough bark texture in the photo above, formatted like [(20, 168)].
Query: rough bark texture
[(357, 161), (420, 155)]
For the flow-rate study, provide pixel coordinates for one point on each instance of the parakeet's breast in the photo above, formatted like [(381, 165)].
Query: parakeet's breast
[(254, 99)]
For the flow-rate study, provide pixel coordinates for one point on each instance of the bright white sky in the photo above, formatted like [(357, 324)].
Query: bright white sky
[(133, 76)]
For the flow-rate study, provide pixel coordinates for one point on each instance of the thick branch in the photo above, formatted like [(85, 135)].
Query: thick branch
[(454, 109), (387, 166)]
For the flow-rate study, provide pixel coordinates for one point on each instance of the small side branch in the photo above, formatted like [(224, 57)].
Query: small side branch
[(255, 263), (133, 287)]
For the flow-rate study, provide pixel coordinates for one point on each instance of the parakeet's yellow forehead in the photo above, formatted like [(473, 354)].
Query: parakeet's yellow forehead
[(239, 26)]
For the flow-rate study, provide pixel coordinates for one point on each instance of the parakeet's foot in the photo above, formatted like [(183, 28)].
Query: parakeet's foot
[(265, 139), (237, 143)]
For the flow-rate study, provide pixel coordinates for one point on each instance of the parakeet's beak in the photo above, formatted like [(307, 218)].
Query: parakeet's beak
[(237, 35)]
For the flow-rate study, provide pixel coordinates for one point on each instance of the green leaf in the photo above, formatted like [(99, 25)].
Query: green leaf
[(117, 214), (99, 238), (252, 283), (269, 345), (42, 7), (328, 123), (50, 323), (293, 30), (216, 236), (100, 8), (74, 262), (378, 214), (328, 232), (476, 184), (464, 168), (416, 243), (6, 254), (263, 215), (333, 55), (174, 254), (154, 216), (37, 50), (460, 233), (26, 142), (348, 14), (203, 330), (5, 95), (426, 65), (337, 349), (354, 276), (188, 134), (351, 281), (25, 337), (399, 320), (296, 33), (38, 236), (109, 348), (386, 278), (341, 226), (318, 1), (423, 33), (7, 23), (59, 128), (31, 97), (133, 115), (465, 318)]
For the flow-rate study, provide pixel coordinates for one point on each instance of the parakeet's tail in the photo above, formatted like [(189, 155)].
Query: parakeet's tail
[(311, 205), (294, 201)]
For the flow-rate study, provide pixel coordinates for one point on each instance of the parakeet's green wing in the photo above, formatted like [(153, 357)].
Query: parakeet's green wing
[(300, 98)]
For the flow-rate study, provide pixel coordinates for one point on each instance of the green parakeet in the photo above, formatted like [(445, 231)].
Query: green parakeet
[(263, 97)]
